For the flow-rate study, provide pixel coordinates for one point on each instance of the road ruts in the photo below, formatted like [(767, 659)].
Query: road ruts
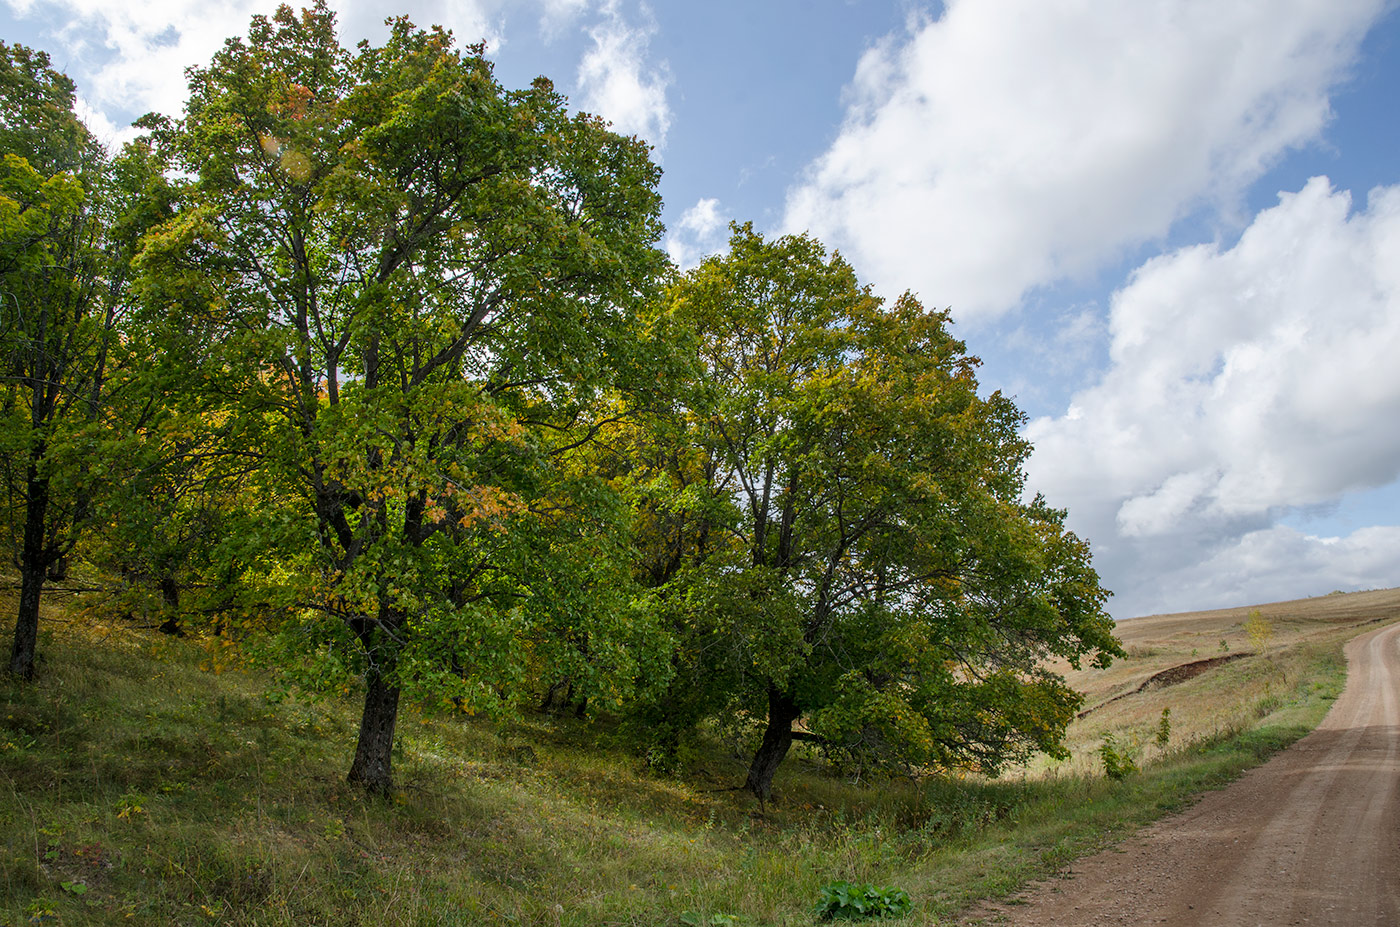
[(1311, 837)]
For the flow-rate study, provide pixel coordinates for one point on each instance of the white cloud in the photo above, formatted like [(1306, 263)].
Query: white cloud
[(1243, 382), (1014, 143), (103, 128), (703, 230), (1276, 564), (129, 56), (556, 16), (616, 81)]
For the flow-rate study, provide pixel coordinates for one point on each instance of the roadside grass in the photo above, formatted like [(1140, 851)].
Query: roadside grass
[(138, 787)]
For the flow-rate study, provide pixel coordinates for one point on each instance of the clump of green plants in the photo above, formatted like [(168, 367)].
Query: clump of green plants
[(1164, 728), (852, 901), (1119, 759)]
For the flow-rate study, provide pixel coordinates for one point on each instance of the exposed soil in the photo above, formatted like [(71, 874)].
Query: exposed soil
[(1311, 837), (1171, 676)]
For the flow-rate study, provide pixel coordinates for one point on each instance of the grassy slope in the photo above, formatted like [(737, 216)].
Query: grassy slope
[(137, 788)]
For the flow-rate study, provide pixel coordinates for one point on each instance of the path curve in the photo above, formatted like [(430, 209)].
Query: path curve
[(1312, 837)]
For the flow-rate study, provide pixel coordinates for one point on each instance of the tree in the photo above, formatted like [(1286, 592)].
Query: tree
[(895, 592), (413, 286), (69, 216)]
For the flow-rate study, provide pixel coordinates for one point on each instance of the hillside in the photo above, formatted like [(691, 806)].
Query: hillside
[(138, 787)]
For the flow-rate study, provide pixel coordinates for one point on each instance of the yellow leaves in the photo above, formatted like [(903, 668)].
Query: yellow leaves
[(297, 165), (489, 504), (293, 162)]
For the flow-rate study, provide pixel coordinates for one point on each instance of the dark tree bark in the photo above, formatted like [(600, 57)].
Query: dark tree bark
[(27, 623), (374, 751), (35, 558), (777, 740), (170, 598)]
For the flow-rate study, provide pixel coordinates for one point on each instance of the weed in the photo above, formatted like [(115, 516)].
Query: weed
[(849, 901), (1119, 760), (1164, 729)]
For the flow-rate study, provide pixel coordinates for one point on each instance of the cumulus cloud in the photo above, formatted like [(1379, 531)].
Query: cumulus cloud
[(617, 81), (1010, 144), (1243, 382), (1271, 565), (129, 56), (702, 230)]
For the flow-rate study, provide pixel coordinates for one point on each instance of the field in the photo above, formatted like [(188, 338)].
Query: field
[(138, 786)]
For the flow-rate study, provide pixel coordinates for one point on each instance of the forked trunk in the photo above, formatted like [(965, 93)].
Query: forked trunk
[(777, 740), (374, 752)]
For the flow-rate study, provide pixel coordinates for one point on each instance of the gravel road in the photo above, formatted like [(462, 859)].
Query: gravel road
[(1311, 837)]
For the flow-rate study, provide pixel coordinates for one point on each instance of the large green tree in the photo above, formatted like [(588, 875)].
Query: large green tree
[(69, 216), (880, 577), (412, 284)]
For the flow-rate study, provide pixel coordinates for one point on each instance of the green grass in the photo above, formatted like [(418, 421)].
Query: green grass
[(136, 787)]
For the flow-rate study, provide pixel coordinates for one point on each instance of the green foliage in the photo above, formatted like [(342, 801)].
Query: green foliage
[(839, 528), (1164, 729), (696, 919), (69, 220), (37, 120), (849, 901), (1119, 759), (409, 291)]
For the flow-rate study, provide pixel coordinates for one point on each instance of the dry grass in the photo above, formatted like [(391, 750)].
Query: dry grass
[(1228, 695)]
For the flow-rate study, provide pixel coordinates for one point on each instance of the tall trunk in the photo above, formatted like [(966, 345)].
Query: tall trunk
[(33, 566), (777, 740), (374, 752)]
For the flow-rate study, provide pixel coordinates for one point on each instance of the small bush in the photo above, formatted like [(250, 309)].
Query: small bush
[(849, 901), (1259, 629), (1119, 760)]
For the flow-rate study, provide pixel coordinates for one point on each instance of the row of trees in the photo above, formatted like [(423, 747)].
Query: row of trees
[(374, 366)]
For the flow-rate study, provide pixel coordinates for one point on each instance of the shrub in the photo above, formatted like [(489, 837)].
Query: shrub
[(849, 901), (1119, 760)]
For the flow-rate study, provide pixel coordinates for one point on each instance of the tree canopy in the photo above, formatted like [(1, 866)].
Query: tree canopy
[(881, 579), (69, 223), (412, 286), (373, 366)]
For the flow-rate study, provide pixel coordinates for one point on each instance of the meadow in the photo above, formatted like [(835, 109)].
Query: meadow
[(140, 785)]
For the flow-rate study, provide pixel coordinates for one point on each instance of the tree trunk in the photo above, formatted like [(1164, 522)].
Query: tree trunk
[(373, 753), (777, 740), (27, 622), (170, 597), (33, 566)]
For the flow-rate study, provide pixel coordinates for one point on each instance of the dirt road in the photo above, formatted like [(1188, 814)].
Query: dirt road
[(1311, 837)]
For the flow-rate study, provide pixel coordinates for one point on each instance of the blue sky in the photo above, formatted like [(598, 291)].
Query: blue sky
[(1170, 228)]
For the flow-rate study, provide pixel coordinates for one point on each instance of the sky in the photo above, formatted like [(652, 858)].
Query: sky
[(1169, 228)]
